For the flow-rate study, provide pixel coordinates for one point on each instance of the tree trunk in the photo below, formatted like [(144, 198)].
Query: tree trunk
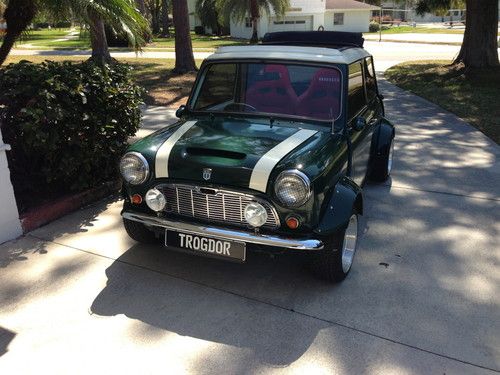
[(184, 59), (98, 40), (255, 15), (18, 15), (164, 18), (8, 42), (480, 44)]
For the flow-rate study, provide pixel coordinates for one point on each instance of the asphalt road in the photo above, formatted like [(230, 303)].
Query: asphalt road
[(78, 296)]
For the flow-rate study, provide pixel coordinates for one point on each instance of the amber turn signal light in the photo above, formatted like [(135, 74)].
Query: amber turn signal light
[(136, 199), (292, 222)]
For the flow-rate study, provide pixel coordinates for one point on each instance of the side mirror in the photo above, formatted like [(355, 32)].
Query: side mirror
[(180, 111), (381, 96), (359, 124)]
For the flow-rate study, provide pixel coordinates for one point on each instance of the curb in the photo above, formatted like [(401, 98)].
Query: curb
[(47, 212)]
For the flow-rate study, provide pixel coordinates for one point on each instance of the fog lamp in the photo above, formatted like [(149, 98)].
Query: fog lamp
[(255, 214), (155, 200)]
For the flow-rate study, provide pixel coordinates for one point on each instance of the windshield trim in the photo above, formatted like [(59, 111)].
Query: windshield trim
[(206, 64)]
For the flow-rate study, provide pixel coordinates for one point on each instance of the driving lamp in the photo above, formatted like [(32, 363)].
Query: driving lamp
[(155, 200), (255, 214)]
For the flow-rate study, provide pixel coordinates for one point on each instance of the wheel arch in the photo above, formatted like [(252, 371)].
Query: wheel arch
[(347, 197)]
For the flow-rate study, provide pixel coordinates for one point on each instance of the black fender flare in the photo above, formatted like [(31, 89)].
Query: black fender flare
[(346, 196), (382, 138)]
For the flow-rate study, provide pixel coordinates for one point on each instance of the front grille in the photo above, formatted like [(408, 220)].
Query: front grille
[(213, 205)]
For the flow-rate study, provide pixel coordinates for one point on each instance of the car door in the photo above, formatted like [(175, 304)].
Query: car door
[(358, 107)]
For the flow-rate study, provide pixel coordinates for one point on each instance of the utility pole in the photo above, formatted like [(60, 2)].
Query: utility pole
[(380, 24)]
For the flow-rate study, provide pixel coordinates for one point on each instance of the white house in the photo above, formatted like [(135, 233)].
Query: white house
[(309, 15)]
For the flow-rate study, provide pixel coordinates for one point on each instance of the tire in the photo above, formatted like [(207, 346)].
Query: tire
[(334, 263), (382, 165), (139, 232)]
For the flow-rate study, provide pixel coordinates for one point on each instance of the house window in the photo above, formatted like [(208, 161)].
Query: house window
[(248, 22), (278, 22), (338, 19), (300, 22)]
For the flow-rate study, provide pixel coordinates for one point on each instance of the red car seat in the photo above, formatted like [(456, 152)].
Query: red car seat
[(322, 99), (273, 95)]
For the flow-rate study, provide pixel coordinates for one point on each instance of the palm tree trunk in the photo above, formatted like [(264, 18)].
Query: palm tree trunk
[(164, 18), (18, 15), (98, 40), (480, 46), (184, 59), (8, 42), (254, 14)]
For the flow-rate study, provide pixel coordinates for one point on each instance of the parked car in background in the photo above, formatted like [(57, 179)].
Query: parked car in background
[(270, 153)]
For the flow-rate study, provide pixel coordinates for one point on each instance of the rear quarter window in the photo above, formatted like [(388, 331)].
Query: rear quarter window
[(356, 96)]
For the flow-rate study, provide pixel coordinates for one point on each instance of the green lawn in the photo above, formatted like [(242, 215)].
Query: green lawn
[(199, 41), (473, 97), (53, 39), (155, 75)]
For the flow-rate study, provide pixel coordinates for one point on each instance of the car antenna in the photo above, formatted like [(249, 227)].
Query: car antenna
[(271, 122)]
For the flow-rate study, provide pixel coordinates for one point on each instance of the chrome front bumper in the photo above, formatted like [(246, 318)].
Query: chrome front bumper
[(228, 234)]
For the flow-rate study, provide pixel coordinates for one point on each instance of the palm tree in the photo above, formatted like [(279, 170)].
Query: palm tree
[(184, 59), (240, 9), (119, 14)]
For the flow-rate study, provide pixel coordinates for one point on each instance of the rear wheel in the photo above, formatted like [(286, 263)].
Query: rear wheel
[(333, 264), (382, 165), (139, 232)]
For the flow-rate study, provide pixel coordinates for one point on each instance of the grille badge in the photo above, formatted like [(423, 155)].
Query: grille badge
[(207, 173)]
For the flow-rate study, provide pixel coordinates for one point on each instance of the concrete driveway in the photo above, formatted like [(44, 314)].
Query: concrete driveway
[(78, 296)]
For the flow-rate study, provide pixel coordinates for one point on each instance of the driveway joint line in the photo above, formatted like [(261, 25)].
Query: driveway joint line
[(441, 192), (304, 314)]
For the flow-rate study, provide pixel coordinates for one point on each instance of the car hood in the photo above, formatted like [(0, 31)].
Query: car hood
[(232, 152)]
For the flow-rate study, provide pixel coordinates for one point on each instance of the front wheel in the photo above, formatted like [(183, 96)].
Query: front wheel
[(333, 264)]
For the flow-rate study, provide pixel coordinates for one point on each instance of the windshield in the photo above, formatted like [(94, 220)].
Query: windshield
[(273, 89)]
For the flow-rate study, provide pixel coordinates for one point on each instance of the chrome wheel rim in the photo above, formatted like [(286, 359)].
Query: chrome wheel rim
[(349, 244), (389, 160)]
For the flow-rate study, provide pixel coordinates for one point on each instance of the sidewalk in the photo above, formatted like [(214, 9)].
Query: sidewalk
[(453, 39)]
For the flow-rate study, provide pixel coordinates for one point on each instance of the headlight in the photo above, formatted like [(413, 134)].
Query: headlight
[(292, 188), (134, 168), (155, 200), (255, 214)]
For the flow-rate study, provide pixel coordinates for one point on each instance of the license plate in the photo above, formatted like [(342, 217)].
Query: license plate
[(207, 245)]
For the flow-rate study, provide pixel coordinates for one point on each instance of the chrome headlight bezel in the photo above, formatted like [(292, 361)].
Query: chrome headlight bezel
[(299, 176), (144, 166)]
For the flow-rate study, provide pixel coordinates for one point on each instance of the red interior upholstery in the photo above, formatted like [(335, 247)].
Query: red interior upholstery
[(275, 95), (322, 98)]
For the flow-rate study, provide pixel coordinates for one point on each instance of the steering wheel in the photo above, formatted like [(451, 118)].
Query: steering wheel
[(237, 106)]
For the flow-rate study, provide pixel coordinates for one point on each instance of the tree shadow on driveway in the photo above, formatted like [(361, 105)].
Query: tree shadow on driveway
[(172, 299)]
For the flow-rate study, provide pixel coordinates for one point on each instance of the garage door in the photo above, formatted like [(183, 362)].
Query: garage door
[(291, 24)]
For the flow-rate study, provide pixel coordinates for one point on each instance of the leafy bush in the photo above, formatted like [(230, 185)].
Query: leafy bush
[(68, 124), (374, 26)]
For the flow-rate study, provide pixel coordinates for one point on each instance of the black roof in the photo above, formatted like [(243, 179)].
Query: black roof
[(315, 38)]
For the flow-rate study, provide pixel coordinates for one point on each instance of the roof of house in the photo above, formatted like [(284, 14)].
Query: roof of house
[(290, 53), (348, 4)]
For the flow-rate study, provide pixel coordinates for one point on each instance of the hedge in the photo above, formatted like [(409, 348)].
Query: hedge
[(68, 124)]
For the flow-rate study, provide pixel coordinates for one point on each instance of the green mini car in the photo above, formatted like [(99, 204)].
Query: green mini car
[(269, 154)]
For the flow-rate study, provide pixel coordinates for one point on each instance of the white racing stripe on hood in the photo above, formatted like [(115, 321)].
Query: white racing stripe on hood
[(266, 164), (163, 153)]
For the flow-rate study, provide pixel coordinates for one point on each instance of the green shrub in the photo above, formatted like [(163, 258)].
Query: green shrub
[(374, 26), (68, 124)]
